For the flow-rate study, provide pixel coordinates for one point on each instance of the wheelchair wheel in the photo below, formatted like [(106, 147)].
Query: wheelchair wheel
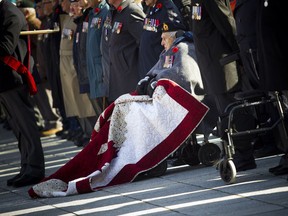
[(159, 170), (209, 154), (189, 154), (227, 171)]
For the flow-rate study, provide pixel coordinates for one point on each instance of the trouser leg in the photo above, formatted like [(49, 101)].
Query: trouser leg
[(21, 117)]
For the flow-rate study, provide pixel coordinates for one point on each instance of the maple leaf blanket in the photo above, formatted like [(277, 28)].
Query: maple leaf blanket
[(132, 135)]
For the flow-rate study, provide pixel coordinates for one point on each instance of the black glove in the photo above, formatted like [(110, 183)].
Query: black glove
[(151, 87), (142, 85)]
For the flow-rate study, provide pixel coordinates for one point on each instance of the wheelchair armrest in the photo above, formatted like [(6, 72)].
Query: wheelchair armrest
[(251, 95)]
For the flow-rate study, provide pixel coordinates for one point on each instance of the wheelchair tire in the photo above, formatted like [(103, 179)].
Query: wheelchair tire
[(159, 170), (227, 171), (189, 154), (209, 154)]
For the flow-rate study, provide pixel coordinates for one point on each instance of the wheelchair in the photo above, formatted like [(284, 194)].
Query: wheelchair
[(250, 100), (191, 153)]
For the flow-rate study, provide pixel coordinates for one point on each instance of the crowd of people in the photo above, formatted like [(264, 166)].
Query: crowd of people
[(108, 48)]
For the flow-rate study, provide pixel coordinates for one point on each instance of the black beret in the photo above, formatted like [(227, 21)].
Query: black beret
[(170, 26)]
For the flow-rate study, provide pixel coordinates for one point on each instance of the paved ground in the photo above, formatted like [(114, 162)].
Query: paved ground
[(182, 190)]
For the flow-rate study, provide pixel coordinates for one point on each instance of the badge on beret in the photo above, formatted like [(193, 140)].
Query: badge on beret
[(165, 27)]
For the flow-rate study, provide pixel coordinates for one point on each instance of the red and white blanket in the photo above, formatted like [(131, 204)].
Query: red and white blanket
[(133, 135)]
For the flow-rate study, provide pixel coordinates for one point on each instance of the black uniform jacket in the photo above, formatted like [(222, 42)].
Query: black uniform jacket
[(10, 45), (213, 31)]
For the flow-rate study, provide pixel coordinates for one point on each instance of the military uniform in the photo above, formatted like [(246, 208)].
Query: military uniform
[(76, 104), (272, 45), (124, 38), (15, 99), (52, 42), (214, 35), (150, 45), (245, 14), (98, 88), (79, 51)]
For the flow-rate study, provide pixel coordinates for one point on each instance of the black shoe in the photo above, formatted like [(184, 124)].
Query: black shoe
[(11, 181), (266, 151), (279, 170), (274, 169), (282, 168), (77, 135), (64, 134), (82, 141), (159, 170), (244, 164), (25, 180), (59, 133), (73, 135)]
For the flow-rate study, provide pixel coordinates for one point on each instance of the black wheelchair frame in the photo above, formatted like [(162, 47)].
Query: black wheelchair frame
[(226, 166)]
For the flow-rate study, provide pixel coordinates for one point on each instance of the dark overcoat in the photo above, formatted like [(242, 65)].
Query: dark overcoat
[(98, 86), (245, 14), (11, 79), (127, 25), (52, 42), (79, 52), (272, 45), (214, 36)]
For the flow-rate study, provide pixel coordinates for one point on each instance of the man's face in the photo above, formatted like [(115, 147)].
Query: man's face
[(75, 9), (84, 3), (150, 3), (115, 3), (39, 9), (65, 4), (47, 6), (167, 40)]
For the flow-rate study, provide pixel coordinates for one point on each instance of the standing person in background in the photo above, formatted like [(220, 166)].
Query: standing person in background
[(158, 12), (245, 13), (104, 49), (50, 114), (273, 69), (76, 104), (51, 120), (214, 36), (124, 38), (27, 8), (80, 10), (52, 10), (98, 86), (15, 98)]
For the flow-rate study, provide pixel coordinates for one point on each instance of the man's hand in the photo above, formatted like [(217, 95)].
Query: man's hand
[(142, 85)]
